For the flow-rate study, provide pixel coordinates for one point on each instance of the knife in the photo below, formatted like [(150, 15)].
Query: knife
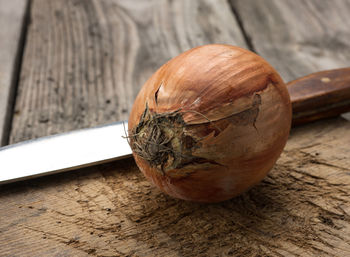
[(319, 95)]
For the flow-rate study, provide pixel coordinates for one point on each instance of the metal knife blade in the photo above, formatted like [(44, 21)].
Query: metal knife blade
[(63, 152)]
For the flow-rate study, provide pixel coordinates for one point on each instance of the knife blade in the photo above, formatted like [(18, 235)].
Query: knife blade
[(64, 152), (316, 96)]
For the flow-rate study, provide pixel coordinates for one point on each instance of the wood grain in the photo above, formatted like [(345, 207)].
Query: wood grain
[(298, 37), (12, 18), (85, 61), (301, 209), (320, 95)]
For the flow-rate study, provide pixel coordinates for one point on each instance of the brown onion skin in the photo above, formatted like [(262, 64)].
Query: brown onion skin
[(234, 104)]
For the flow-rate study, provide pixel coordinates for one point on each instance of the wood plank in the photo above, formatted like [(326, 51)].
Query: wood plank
[(298, 37), (301, 209), (12, 19), (85, 61)]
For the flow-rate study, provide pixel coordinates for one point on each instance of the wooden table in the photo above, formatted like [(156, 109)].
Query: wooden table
[(73, 64)]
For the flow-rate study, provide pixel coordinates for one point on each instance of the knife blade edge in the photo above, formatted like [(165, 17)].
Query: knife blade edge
[(87, 147)]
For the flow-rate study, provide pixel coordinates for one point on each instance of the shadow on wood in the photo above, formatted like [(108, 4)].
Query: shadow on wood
[(301, 206)]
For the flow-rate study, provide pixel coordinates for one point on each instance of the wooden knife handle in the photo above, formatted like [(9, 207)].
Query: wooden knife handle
[(320, 95)]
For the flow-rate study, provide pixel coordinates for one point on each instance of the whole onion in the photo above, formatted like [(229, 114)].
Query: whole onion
[(210, 123)]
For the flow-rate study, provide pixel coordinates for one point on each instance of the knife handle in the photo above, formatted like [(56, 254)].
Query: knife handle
[(320, 95)]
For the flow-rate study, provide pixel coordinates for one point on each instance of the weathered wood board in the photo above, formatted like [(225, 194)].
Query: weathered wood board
[(12, 18), (300, 209), (298, 37), (85, 61)]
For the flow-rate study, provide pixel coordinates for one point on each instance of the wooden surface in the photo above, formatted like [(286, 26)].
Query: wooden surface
[(301, 209), (12, 17), (83, 63), (298, 37)]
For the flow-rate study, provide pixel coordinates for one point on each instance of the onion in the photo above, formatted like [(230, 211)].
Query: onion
[(210, 123)]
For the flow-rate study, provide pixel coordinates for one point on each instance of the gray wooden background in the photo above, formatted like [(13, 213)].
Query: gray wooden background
[(76, 64), (72, 64)]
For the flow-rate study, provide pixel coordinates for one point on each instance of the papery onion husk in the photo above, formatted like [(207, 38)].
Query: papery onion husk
[(210, 123)]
